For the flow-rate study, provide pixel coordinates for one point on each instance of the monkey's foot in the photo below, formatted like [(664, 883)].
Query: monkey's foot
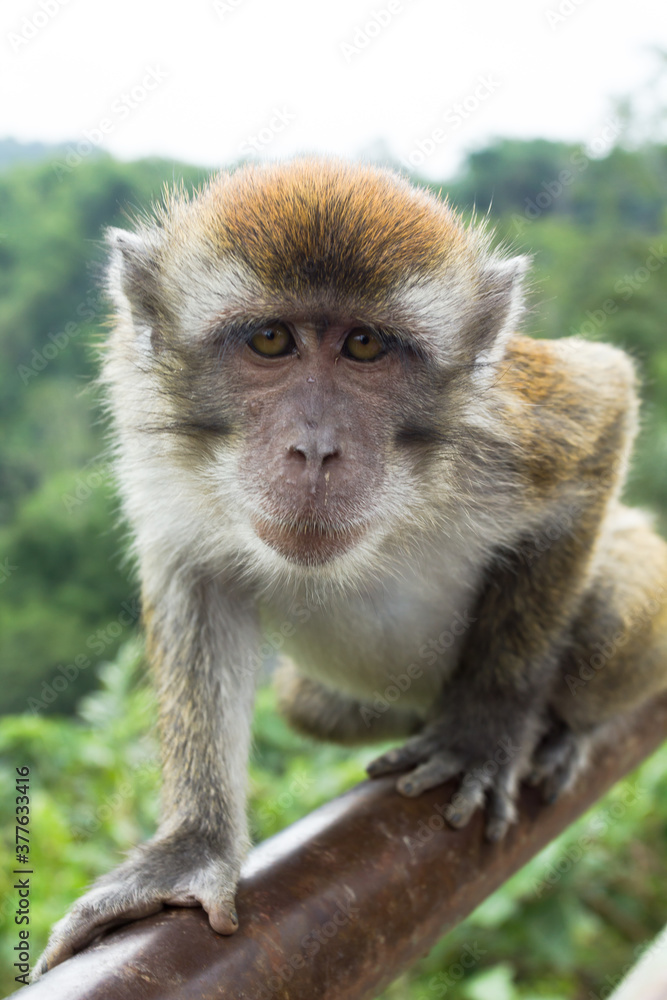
[(174, 872), (492, 778), (558, 759)]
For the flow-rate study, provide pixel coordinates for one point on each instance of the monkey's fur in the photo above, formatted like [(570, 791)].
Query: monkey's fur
[(442, 518)]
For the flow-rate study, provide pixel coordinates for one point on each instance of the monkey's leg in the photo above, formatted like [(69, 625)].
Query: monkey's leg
[(315, 710), (617, 657), (200, 644)]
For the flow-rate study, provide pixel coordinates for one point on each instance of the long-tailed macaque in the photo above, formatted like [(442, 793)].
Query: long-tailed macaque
[(329, 428)]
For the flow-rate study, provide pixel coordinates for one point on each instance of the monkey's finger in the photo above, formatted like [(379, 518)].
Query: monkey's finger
[(559, 781), (179, 900), (222, 917), (501, 813), (82, 926), (465, 802), (428, 775), (557, 765), (212, 890), (399, 759), (551, 756)]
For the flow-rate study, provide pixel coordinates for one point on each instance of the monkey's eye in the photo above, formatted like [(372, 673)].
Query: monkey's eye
[(273, 341), (362, 345)]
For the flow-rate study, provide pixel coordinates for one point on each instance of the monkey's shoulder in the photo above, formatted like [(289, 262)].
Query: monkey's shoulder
[(569, 372), (573, 403)]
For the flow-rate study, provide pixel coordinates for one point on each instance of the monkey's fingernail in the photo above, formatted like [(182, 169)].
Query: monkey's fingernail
[(407, 787), (454, 818), (222, 920)]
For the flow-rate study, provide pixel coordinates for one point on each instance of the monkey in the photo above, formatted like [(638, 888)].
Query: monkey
[(329, 427)]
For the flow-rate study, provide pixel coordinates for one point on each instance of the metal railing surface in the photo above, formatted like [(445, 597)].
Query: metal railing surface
[(339, 904)]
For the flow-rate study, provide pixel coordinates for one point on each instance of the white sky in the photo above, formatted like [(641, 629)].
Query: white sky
[(220, 75)]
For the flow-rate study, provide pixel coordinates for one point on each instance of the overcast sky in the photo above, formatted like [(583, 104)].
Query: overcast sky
[(209, 81)]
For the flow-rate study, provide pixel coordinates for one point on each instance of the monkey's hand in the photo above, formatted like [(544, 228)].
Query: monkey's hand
[(491, 767), (558, 760), (175, 871)]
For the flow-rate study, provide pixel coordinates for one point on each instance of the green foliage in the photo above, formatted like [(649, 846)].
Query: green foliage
[(93, 782), (62, 579)]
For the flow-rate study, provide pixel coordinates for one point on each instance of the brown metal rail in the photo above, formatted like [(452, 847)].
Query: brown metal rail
[(339, 904)]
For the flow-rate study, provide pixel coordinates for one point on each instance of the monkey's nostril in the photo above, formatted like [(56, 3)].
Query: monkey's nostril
[(297, 453), (313, 455)]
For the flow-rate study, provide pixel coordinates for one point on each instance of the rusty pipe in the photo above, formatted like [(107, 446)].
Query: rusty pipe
[(339, 904)]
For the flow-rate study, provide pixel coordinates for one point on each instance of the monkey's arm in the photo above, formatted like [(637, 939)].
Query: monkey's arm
[(575, 434), (488, 718), (201, 646)]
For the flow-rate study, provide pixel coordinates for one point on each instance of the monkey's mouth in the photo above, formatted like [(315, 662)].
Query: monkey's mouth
[(308, 542)]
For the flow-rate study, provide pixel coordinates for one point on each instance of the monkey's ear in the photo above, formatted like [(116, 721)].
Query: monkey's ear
[(499, 307), (133, 275)]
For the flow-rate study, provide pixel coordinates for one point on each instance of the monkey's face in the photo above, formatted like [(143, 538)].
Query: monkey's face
[(300, 342), (308, 434), (319, 405)]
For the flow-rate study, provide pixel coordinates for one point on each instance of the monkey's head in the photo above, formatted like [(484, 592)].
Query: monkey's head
[(296, 346)]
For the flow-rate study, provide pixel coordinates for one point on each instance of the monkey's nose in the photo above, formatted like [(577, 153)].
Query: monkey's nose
[(313, 453)]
